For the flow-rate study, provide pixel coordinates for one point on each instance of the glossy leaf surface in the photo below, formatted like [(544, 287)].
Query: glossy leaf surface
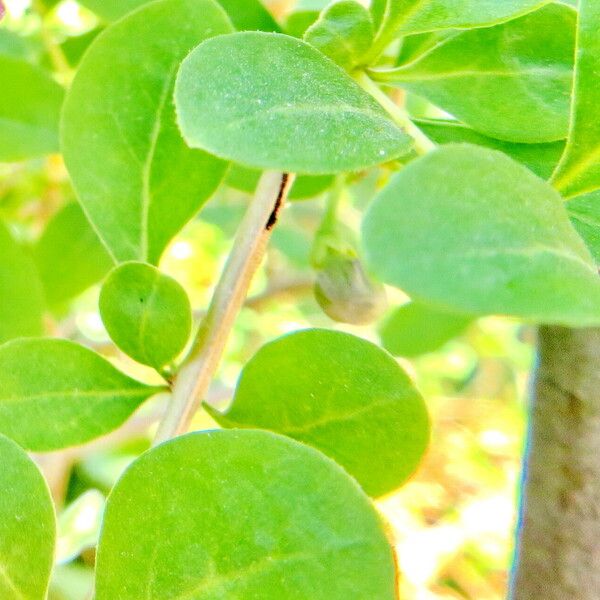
[(344, 32), (540, 158), (135, 177), (579, 170), (511, 81), (467, 229), (342, 395), (585, 216), (402, 17), (147, 314), (271, 101), (276, 520), (27, 526), (55, 393)]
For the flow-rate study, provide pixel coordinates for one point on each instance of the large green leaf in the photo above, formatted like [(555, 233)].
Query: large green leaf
[(69, 256), (55, 393), (403, 17), (585, 216), (271, 101), (27, 526), (414, 329), (29, 110), (342, 395), (244, 14), (135, 177), (512, 81), (146, 313), (470, 230), (540, 158), (343, 32), (579, 169), (21, 293), (241, 514)]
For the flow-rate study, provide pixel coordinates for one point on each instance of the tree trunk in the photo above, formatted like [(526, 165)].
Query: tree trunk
[(558, 554)]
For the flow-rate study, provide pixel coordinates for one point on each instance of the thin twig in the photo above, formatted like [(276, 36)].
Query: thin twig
[(193, 380)]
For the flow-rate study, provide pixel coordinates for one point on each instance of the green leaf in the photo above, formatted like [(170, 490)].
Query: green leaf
[(147, 314), (136, 179), (469, 230), (69, 256), (511, 81), (27, 526), (21, 293), (74, 47), (249, 15), (344, 32), (55, 393), (16, 46), (342, 395), (403, 17), (305, 186), (585, 216), (244, 14), (241, 514), (539, 158), (30, 105), (270, 101), (111, 10), (414, 329), (579, 169)]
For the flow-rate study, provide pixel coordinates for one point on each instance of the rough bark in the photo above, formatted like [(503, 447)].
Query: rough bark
[(558, 556)]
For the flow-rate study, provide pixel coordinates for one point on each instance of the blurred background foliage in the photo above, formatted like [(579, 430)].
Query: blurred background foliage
[(452, 524)]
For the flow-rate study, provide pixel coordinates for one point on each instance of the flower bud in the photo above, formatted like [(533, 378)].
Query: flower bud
[(346, 293)]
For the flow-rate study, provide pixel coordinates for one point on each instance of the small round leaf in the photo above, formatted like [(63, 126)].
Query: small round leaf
[(147, 314), (340, 394), (245, 515)]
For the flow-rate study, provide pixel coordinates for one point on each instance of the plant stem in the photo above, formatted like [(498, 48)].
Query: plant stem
[(194, 377), (423, 144), (558, 553)]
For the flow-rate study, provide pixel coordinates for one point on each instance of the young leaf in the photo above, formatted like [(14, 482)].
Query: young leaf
[(69, 256), (414, 329), (511, 81), (469, 230), (55, 393), (146, 313), (241, 514), (270, 101), (579, 169), (29, 110), (21, 293), (403, 17), (585, 216), (344, 32), (27, 526), (136, 179), (539, 158), (342, 395)]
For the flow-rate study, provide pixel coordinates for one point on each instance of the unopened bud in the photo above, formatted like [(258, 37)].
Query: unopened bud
[(347, 294)]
